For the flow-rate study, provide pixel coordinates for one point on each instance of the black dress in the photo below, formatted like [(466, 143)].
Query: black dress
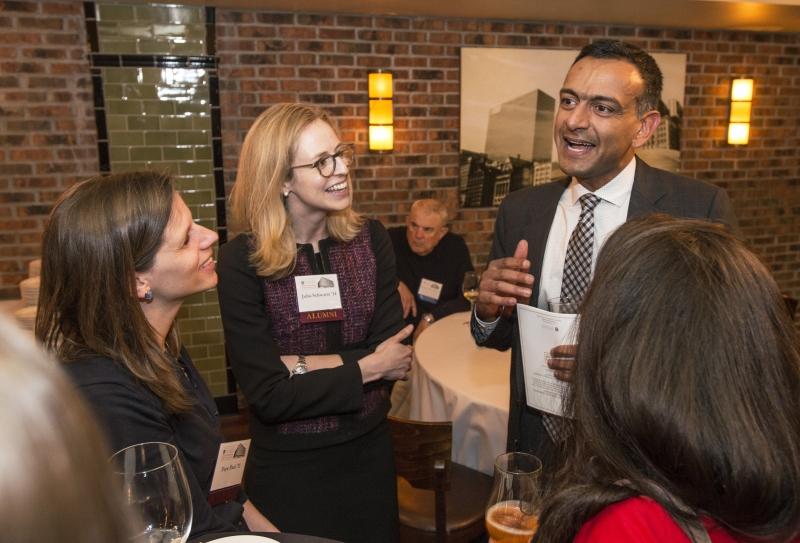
[(130, 413), (321, 460)]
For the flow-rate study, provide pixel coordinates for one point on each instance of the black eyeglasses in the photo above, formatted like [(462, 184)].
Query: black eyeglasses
[(326, 164)]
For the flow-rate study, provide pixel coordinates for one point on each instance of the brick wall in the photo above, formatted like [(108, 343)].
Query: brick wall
[(47, 124), (270, 57), (763, 178)]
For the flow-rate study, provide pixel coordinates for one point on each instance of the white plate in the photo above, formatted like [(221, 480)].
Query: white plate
[(244, 539)]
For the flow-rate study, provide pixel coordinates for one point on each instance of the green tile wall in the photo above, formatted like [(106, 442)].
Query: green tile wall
[(159, 119), (151, 29)]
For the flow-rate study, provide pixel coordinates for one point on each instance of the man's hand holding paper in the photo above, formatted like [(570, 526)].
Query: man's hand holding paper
[(562, 361), (548, 356)]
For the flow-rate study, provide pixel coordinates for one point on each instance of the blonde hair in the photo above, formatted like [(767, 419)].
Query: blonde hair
[(257, 202), (55, 479)]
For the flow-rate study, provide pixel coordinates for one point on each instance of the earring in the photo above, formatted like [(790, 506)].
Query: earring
[(286, 193), (148, 296)]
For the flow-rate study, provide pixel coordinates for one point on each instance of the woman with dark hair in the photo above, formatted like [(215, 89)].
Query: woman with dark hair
[(322, 460), (119, 255), (686, 396)]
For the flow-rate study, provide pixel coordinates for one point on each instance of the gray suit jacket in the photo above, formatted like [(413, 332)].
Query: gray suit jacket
[(528, 214)]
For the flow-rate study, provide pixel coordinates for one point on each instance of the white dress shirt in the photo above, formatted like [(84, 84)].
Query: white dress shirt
[(610, 214)]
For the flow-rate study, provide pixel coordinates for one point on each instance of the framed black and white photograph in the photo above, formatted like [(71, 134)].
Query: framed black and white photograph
[(508, 104)]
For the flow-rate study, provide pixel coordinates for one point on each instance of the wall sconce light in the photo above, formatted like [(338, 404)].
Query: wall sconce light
[(381, 115), (741, 106)]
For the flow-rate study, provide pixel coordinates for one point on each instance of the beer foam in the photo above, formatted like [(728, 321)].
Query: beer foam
[(507, 517)]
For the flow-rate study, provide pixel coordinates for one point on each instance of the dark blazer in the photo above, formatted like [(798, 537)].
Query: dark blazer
[(528, 214)]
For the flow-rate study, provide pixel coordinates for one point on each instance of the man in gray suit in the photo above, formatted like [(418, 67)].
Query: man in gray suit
[(608, 108)]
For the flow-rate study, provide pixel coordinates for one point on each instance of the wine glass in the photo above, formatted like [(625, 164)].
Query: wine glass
[(155, 487), (563, 304), (512, 514), (470, 288)]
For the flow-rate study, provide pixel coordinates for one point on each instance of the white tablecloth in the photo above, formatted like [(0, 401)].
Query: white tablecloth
[(453, 379)]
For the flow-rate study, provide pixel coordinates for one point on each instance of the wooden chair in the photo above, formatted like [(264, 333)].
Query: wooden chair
[(236, 426), (439, 500)]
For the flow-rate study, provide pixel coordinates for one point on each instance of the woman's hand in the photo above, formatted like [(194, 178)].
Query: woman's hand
[(256, 522), (391, 360)]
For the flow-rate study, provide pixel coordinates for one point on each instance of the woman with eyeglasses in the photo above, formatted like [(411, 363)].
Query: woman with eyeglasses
[(314, 331)]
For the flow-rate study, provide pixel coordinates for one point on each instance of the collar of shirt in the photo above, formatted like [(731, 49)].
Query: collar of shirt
[(616, 192), (609, 214)]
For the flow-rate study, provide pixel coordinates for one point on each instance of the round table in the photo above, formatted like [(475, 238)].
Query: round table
[(282, 538), (454, 379)]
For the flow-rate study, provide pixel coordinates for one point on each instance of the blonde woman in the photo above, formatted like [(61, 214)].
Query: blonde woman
[(321, 460)]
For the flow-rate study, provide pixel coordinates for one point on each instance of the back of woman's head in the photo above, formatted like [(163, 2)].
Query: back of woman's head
[(101, 232), (688, 376), (55, 483)]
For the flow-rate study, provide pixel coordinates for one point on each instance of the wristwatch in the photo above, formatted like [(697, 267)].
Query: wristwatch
[(427, 317), (300, 368)]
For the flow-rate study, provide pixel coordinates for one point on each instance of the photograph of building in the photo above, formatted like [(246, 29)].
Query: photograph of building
[(507, 120)]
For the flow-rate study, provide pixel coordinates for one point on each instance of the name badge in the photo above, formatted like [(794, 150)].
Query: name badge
[(228, 472), (318, 298), (429, 291)]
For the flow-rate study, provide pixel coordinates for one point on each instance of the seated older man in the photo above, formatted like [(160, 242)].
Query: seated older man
[(431, 263)]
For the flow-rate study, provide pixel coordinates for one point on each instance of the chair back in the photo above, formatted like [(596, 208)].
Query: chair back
[(422, 453), (236, 426)]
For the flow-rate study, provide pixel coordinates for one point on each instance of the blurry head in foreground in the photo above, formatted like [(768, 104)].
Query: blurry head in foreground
[(687, 386), (55, 483)]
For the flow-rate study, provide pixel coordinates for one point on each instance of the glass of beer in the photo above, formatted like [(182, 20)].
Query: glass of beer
[(512, 514)]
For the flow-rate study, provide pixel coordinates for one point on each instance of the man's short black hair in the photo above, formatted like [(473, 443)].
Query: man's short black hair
[(644, 63)]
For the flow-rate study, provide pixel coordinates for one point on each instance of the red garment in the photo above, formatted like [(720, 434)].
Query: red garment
[(641, 520)]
